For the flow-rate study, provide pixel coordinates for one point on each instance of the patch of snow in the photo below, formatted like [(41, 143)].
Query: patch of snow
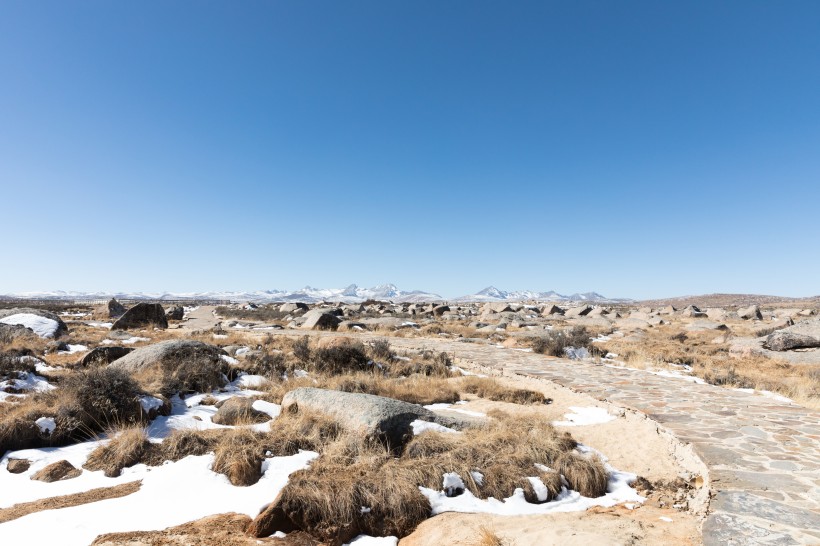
[(73, 349), (46, 424), (767, 394), (246, 381), (42, 326), (128, 341), (26, 382), (666, 519), (267, 407), (149, 403), (220, 336), (581, 416), (242, 350), (543, 467), (420, 426), (452, 484), (367, 540), (478, 477), (618, 491), (300, 373), (160, 502), (541, 491), (100, 324), (230, 360)]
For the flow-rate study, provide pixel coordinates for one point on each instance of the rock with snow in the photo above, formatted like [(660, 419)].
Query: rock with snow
[(10, 332), (142, 315), (387, 419), (43, 323), (57, 471)]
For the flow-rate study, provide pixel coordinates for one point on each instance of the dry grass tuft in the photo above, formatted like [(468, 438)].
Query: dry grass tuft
[(492, 390), (488, 537), (126, 449), (584, 473), (239, 455)]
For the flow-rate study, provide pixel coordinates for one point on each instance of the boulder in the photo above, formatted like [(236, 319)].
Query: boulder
[(238, 411), (552, 310), (141, 315), (175, 312), (191, 366), (43, 323), (580, 311), (693, 311), (112, 309), (598, 312), (11, 332), (440, 310), (61, 470), (785, 341), (292, 307), (750, 313), (668, 310), (716, 313), (18, 466), (101, 356), (387, 419), (705, 325), (320, 319)]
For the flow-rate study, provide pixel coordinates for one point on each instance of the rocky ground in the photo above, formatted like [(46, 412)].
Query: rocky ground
[(708, 413)]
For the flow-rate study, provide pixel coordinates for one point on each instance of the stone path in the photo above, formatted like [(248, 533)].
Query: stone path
[(763, 455)]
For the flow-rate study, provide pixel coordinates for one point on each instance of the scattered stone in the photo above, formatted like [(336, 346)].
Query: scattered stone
[(142, 315), (750, 313), (704, 325), (112, 309), (292, 307), (580, 311), (61, 470), (18, 466), (238, 411), (320, 319)]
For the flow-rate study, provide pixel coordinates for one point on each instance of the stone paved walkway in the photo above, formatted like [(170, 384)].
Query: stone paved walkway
[(763, 455)]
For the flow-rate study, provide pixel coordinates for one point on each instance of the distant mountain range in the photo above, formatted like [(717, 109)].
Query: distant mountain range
[(491, 293), (308, 294)]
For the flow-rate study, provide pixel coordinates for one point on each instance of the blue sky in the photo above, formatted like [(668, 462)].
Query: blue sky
[(640, 149)]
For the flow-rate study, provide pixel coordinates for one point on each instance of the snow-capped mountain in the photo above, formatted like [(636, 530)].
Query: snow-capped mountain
[(308, 294), (491, 293)]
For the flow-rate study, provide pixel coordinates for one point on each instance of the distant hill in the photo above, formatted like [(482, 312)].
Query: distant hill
[(491, 294), (734, 300)]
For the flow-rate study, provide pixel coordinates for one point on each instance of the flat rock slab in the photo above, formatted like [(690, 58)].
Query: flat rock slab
[(376, 416)]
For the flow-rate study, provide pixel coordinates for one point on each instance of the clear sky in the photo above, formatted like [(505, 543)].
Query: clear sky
[(639, 149)]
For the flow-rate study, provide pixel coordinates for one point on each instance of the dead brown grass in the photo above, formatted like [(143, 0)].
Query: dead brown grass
[(488, 537), (127, 448), (67, 501), (490, 389), (668, 346), (239, 455)]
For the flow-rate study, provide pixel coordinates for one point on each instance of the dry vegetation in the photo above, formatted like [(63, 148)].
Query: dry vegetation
[(665, 346)]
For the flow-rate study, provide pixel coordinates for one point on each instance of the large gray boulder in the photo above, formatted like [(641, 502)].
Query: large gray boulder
[(292, 307), (141, 315), (786, 341), (387, 419), (178, 365), (43, 323), (320, 319)]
